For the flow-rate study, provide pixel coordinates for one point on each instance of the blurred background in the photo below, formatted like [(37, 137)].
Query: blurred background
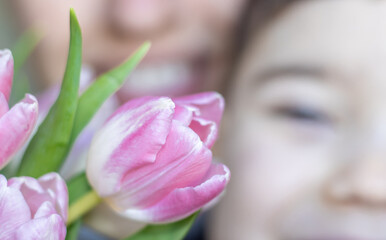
[(7, 28)]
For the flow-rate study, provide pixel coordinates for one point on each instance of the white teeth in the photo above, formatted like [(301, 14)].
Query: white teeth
[(153, 79)]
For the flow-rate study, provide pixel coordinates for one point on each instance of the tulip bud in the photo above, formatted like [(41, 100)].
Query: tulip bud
[(17, 123), (33, 208), (151, 160)]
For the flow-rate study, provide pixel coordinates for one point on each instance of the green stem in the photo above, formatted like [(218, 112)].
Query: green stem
[(83, 206)]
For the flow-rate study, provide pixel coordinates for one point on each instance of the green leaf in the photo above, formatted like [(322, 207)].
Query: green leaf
[(77, 187), (171, 231), (48, 147), (105, 86), (8, 171), (73, 230)]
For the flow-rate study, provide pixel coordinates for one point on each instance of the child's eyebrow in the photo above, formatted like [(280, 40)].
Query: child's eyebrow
[(303, 70)]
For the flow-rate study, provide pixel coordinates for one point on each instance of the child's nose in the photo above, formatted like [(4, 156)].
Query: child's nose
[(362, 181), (139, 18)]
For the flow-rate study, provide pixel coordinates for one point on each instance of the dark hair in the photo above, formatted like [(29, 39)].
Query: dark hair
[(255, 16)]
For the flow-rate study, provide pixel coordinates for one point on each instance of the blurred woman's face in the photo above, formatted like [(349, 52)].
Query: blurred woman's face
[(308, 135), (190, 39)]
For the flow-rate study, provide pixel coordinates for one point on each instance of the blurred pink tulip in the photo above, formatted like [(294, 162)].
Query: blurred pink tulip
[(33, 209), (6, 73), (151, 161), (17, 123)]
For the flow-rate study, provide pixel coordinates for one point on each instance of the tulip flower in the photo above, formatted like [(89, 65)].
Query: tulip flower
[(17, 123), (151, 161), (33, 208)]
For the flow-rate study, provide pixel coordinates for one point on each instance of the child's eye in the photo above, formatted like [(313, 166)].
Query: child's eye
[(302, 114)]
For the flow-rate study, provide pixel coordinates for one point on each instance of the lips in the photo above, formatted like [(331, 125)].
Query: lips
[(169, 79), (159, 79), (171, 68)]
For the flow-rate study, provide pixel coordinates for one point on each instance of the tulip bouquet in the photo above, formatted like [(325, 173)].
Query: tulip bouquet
[(150, 161)]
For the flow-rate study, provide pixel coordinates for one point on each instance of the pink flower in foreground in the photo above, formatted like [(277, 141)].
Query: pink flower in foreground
[(17, 123), (151, 161), (33, 209)]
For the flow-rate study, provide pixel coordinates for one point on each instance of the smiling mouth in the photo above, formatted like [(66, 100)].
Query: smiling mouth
[(161, 78), (169, 79)]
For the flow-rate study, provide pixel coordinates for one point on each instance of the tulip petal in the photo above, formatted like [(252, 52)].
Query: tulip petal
[(57, 188), (184, 114), (210, 105), (207, 109), (3, 105), (14, 211), (51, 227), (183, 161), (49, 188), (33, 193), (6, 72), (16, 126), (131, 138), (182, 202), (206, 130), (45, 210)]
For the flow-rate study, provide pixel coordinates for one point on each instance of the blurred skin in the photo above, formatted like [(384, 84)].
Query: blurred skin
[(308, 135), (189, 37)]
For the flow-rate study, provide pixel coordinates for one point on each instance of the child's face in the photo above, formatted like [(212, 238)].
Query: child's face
[(189, 48), (308, 135)]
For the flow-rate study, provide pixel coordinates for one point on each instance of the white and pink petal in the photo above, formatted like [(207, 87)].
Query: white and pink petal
[(208, 105), (6, 72), (16, 126), (182, 202), (51, 227), (3, 105), (130, 139), (56, 188), (183, 161), (14, 210)]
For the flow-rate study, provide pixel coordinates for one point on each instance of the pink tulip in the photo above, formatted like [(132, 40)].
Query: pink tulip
[(151, 161), (6, 73), (33, 209), (17, 123)]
